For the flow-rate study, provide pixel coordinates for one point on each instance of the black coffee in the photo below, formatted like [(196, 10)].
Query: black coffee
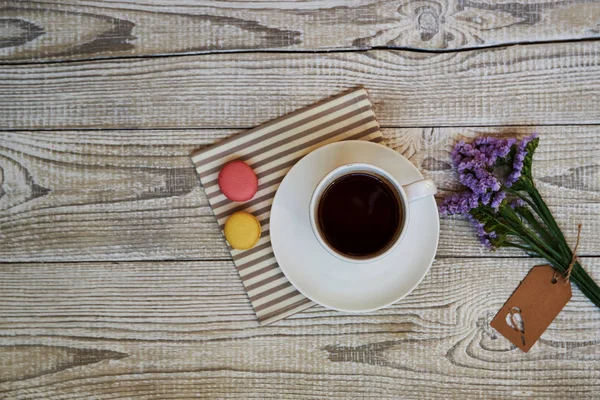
[(359, 214)]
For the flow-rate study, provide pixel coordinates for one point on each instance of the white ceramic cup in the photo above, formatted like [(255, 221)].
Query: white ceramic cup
[(405, 195)]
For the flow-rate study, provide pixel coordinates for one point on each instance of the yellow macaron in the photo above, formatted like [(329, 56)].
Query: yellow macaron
[(242, 230)]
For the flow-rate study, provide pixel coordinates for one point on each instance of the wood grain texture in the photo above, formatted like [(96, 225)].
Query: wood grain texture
[(534, 84), (134, 195), (115, 281), (119, 193), (51, 30), (186, 329)]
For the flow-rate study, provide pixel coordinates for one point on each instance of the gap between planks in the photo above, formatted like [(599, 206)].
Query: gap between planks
[(282, 51), (238, 129), (179, 260)]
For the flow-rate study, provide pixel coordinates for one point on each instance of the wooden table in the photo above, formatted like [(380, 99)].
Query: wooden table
[(114, 279)]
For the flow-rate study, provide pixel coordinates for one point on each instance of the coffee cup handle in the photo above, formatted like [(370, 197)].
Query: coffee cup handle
[(419, 189)]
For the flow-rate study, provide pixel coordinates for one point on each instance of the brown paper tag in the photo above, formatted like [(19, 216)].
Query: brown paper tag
[(533, 306)]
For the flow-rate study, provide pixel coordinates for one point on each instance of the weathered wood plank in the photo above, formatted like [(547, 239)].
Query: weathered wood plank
[(44, 30), (123, 193), (134, 195), (174, 329), (535, 84)]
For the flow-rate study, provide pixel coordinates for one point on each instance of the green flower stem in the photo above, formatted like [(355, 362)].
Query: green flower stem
[(517, 245), (579, 275), (537, 198), (528, 239), (524, 198), (517, 225), (560, 261), (547, 217), (543, 254), (529, 217), (529, 188), (586, 283)]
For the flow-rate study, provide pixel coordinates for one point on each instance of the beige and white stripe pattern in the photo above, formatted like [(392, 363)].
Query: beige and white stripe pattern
[(271, 150)]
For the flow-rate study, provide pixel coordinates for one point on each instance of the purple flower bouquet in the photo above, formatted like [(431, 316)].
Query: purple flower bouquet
[(502, 202)]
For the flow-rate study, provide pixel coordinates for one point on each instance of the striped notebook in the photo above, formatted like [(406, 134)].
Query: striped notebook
[(271, 150)]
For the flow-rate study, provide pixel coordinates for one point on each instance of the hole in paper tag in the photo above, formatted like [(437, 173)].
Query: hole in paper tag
[(514, 319), (532, 307)]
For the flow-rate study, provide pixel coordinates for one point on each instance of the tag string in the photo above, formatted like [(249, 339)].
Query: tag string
[(574, 258)]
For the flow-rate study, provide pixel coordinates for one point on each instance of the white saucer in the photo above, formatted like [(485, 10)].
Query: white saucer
[(328, 280)]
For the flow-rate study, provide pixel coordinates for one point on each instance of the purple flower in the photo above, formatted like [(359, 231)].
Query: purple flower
[(485, 237), (483, 152), (486, 198), (498, 199), (475, 162), (478, 164), (517, 167), (458, 203), (517, 202), (493, 148), (479, 181)]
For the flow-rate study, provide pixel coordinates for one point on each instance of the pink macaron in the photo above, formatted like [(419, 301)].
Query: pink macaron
[(237, 181)]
